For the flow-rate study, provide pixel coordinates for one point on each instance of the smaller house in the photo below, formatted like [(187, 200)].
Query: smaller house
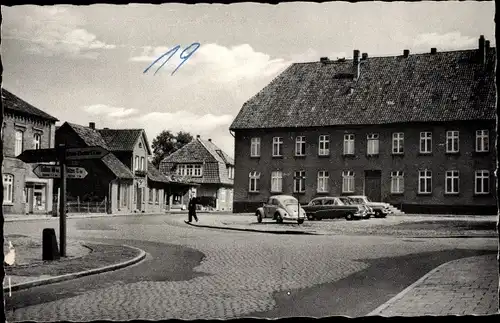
[(207, 165)]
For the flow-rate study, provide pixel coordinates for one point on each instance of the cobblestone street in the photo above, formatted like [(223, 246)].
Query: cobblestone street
[(242, 270)]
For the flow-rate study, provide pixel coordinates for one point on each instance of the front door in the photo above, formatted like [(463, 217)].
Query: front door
[(139, 197), (373, 185)]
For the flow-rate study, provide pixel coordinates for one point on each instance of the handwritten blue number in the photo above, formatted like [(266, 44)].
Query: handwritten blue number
[(172, 52)]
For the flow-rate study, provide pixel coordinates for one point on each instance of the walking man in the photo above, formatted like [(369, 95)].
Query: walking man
[(192, 210)]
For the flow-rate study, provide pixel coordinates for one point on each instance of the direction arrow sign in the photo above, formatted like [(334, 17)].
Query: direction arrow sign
[(96, 152), (54, 171), (38, 155)]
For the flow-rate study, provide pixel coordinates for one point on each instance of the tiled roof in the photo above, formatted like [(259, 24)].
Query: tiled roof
[(15, 104), (117, 167), (444, 86), (90, 136), (122, 139), (155, 175), (201, 151)]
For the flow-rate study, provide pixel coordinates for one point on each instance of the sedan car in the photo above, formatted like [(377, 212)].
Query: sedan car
[(332, 207), (368, 210), (280, 208), (381, 209)]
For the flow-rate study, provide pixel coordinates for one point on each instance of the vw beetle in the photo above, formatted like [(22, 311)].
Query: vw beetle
[(280, 208)]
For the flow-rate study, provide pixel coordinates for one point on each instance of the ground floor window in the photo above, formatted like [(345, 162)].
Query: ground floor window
[(299, 179), (348, 182), (253, 185), (323, 177), (8, 188), (482, 185), (397, 182), (452, 182), (424, 182)]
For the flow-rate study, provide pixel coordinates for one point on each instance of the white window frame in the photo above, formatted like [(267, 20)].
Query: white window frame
[(397, 182), (142, 164), (253, 178), (425, 175), (299, 178), (482, 141), (323, 179), (349, 144), (277, 181), (452, 176), (19, 142), (300, 146), (398, 139), (37, 141), (277, 146), (452, 140), (255, 147), (136, 163), (482, 176), (324, 145), (348, 181), (197, 170), (8, 188), (372, 144), (426, 139)]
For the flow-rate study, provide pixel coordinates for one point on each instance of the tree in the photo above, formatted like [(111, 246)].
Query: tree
[(166, 143)]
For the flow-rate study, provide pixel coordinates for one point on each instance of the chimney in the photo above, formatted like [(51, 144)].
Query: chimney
[(481, 50), (197, 136), (364, 56), (210, 139), (92, 125), (433, 50), (355, 63), (406, 53)]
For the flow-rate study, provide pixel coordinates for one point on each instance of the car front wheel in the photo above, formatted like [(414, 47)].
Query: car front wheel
[(349, 217)]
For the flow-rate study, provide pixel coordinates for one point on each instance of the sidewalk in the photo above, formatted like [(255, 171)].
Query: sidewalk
[(467, 286), (30, 270)]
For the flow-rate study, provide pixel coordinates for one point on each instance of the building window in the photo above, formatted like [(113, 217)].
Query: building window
[(299, 181), (372, 144), (300, 146), (222, 195), (349, 144), (277, 144), (276, 181), (425, 142), (324, 145), (37, 141), (451, 182), (424, 182), (348, 181), (8, 188), (254, 178), (482, 141), (19, 143), (189, 170), (482, 182), (323, 178), (230, 171), (136, 163), (197, 171), (397, 143), (143, 166), (397, 182), (452, 141), (255, 147)]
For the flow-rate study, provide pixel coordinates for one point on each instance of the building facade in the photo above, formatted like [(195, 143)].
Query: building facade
[(416, 131), (124, 179), (25, 127), (206, 165)]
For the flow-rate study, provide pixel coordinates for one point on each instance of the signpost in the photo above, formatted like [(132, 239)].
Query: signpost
[(61, 171)]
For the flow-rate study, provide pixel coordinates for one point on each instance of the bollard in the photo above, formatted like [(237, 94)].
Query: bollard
[(50, 250)]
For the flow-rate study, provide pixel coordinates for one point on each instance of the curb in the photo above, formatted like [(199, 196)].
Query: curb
[(253, 230), (57, 279), (376, 312)]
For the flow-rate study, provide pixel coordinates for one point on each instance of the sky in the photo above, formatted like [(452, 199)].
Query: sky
[(86, 64)]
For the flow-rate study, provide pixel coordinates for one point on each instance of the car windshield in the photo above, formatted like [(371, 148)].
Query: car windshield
[(290, 202)]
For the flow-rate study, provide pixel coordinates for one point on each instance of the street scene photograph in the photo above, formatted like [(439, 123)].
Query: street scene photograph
[(246, 160)]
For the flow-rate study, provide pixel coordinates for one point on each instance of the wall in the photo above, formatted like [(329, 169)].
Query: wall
[(465, 162), (21, 171)]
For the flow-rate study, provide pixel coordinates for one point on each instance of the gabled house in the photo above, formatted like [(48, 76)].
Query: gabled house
[(207, 165), (25, 127), (124, 179), (414, 130)]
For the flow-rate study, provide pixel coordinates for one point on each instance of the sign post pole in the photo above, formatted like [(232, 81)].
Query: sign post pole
[(62, 204)]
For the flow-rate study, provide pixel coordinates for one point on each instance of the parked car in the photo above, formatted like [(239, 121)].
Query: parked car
[(331, 208), (369, 212), (280, 208), (381, 209)]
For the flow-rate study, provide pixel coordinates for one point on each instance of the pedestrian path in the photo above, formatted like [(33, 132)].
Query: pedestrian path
[(460, 287)]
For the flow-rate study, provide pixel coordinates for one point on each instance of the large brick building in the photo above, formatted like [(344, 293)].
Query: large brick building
[(417, 131), (25, 127), (209, 167)]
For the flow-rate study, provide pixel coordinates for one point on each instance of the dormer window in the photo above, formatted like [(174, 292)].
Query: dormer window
[(190, 170)]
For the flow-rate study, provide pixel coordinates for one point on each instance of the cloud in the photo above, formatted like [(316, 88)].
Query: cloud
[(52, 31), (109, 111), (215, 63), (448, 41)]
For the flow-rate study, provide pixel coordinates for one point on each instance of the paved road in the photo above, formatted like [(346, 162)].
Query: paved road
[(193, 273)]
